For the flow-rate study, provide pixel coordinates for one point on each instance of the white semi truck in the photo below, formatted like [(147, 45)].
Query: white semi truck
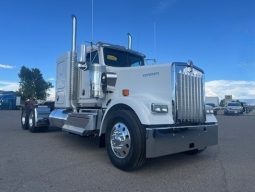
[(137, 111)]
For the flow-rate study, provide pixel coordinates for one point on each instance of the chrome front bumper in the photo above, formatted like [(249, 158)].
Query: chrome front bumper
[(169, 140)]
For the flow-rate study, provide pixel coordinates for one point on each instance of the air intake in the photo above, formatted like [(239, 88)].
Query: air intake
[(189, 94)]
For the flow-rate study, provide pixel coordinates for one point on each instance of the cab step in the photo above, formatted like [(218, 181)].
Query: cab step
[(80, 123)]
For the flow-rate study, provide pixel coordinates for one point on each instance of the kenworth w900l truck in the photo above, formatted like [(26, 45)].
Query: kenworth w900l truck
[(138, 111)]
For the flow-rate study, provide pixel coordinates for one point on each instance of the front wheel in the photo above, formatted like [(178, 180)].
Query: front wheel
[(125, 140)]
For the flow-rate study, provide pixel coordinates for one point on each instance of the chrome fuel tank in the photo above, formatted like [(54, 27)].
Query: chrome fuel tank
[(58, 117)]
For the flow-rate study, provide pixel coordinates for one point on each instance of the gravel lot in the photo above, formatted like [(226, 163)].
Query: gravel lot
[(58, 161)]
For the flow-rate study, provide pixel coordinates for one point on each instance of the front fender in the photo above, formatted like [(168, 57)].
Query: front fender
[(142, 108)]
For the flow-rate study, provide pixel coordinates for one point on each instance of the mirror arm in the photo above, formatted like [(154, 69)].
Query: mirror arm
[(83, 66)]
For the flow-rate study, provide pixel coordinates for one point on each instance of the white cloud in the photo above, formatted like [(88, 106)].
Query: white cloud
[(9, 86), (238, 89), (163, 5), (51, 79), (4, 66)]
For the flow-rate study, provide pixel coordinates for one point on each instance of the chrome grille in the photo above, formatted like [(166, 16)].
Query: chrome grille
[(189, 96)]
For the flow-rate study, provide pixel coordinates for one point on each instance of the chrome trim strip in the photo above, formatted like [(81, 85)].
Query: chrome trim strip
[(183, 127)]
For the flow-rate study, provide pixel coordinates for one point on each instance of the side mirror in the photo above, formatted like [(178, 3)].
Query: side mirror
[(82, 59)]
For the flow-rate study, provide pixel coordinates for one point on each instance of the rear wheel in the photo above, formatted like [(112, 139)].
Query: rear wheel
[(31, 122), (125, 140), (24, 119)]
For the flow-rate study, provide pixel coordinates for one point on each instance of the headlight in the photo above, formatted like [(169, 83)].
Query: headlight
[(209, 111), (159, 108)]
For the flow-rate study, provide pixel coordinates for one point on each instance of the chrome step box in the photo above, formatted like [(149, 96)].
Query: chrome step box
[(80, 123)]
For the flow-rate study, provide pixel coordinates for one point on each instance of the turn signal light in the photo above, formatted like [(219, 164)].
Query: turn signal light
[(125, 92)]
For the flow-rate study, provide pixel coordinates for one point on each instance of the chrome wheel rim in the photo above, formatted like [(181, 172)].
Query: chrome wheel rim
[(30, 121), (23, 120), (120, 140)]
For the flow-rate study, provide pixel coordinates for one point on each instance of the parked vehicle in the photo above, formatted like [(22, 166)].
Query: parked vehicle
[(215, 108), (213, 100), (50, 104), (137, 111), (233, 108), (246, 108), (9, 101)]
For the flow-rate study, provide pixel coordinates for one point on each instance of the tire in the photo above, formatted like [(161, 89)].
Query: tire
[(24, 120), (195, 151), (31, 122), (128, 154)]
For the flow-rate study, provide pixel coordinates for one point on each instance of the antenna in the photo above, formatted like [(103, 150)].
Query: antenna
[(154, 39), (92, 20)]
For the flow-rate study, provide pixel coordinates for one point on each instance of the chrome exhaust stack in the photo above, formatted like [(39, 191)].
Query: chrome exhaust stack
[(74, 32), (129, 41), (74, 67)]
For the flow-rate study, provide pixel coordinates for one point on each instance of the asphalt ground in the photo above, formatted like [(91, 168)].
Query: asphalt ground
[(61, 162)]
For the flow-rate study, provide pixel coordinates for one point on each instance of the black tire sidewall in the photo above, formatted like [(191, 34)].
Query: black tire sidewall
[(32, 128), (24, 114), (137, 135)]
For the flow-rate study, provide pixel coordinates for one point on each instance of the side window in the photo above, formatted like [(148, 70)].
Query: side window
[(134, 61), (93, 56)]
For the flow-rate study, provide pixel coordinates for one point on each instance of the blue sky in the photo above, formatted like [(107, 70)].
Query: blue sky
[(218, 35)]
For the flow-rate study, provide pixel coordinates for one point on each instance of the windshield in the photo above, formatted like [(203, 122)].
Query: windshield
[(234, 104), (211, 104), (117, 58)]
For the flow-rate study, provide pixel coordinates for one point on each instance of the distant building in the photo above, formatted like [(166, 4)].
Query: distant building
[(6, 92), (227, 99)]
